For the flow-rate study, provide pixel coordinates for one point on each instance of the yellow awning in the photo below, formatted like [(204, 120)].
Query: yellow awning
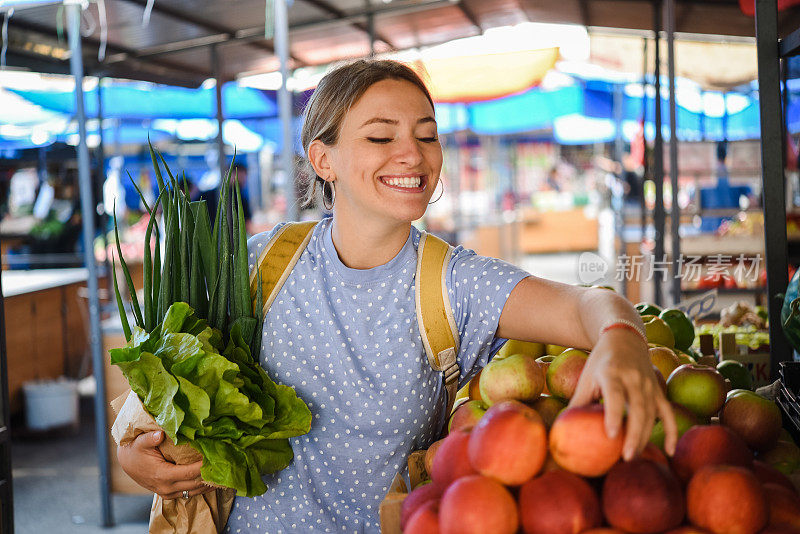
[(484, 77)]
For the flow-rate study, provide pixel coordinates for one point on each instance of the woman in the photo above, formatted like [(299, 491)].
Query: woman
[(343, 329)]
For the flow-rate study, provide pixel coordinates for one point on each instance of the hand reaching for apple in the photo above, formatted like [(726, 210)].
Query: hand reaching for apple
[(620, 372)]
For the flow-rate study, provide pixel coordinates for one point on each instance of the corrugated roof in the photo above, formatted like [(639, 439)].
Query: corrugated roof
[(174, 46)]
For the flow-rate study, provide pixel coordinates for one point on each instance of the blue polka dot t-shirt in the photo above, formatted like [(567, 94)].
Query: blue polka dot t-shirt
[(348, 342)]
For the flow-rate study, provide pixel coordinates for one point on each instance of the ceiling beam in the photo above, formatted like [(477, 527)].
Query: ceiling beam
[(467, 12), (257, 33), (113, 48), (583, 7), (223, 33), (337, 13)]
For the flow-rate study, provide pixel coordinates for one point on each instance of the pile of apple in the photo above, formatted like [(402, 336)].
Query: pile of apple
[(516, 459)]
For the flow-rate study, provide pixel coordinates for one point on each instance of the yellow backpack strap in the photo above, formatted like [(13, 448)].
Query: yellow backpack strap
[(277, 260), (434, 313)]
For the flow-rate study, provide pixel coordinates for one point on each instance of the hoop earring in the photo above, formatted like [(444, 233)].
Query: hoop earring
[(440, 194), (325, 203)]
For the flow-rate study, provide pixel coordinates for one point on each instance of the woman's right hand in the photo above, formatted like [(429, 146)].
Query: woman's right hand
[(144, 463)]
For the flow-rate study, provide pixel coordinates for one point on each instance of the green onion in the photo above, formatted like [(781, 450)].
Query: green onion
[(137, 312), (123, 316)]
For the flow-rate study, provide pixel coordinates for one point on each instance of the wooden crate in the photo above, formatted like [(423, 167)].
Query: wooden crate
[(392, 503)]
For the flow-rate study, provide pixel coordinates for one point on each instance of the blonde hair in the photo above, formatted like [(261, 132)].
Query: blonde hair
[(333, 98)]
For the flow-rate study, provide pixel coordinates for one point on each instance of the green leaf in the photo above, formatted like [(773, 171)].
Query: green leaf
[(154, 385)]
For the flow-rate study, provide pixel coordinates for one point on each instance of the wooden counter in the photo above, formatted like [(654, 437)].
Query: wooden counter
[(46, 326), (535, 232)]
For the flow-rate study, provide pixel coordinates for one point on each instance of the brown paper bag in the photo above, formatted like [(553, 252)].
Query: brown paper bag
[(200, 514)]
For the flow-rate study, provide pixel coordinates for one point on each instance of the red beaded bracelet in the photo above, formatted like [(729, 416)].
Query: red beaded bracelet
[(627, 325)]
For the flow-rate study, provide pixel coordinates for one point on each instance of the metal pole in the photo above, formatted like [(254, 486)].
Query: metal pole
[(618, 116), (101, 166), (285, 107), (88, 209), (658, 163), (646, 163), (619, 216), (215, 69), (702, 115), (675, 212), (724, 116), (773, 179)]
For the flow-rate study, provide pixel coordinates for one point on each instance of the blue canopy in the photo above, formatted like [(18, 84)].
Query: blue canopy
[(140, 100)]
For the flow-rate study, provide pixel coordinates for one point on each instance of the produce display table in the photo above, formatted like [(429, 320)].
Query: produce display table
[(46, 326)]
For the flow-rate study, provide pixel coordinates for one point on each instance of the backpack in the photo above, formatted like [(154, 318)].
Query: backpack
[(434, 313)]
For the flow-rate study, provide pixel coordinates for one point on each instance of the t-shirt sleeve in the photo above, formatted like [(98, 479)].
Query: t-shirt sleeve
[(256, 244), (479, 287)]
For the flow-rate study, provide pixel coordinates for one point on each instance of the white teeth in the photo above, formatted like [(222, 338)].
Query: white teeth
[(406, 181)]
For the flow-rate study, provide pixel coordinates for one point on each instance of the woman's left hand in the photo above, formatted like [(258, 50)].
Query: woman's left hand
[(619, 371)]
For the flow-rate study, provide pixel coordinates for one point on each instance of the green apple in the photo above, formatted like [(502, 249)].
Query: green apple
[(554, 350), (658, 331), (514, 346), (698, 388), (737, 373), (645, 308), (664, 359), (518, 377), (683, 418), (682, 327)]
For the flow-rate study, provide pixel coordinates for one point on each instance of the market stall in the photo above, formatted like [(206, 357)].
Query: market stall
[(227, 40)]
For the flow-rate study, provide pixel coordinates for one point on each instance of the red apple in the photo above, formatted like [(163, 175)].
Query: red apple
[(726, 500), (517, 377), (643, 497), (784, 507), (654, 454), (558, 502), (579, 443), (564, 372), (418, 497), (509, 444), (425, 519), (451, 461), (767, 474), (756, 419), (429, 455), (700, 389), (704, 445), (477, 504), (467, 415)]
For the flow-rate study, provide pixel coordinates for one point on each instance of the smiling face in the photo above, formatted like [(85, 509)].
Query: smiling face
[(387, 159)]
